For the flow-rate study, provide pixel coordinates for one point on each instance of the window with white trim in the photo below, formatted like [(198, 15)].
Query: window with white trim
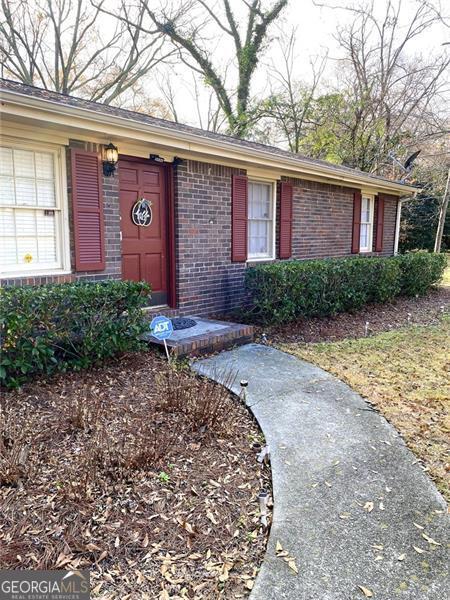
[(261, 222), (31, 215), (366, 231)]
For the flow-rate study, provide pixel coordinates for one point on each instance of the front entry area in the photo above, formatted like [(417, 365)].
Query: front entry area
[(144, 213)]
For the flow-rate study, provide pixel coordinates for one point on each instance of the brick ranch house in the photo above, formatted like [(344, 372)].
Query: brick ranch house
[(217, 205)]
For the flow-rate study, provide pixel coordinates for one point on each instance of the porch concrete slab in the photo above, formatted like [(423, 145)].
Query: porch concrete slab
[(351, 502), (202, 327), (208, 335)]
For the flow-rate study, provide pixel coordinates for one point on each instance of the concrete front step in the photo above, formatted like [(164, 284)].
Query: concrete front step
[(208, 335), (154, 311)]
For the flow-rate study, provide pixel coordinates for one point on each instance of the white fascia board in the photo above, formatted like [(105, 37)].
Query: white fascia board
[(111, 125)]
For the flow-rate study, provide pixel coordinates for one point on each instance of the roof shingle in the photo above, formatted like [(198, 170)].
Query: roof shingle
[(65, 100)]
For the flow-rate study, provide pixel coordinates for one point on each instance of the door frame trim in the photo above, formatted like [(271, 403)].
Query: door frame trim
[(168, 170)]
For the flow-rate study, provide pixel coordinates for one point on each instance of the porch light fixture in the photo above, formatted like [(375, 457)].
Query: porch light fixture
[(111, 158)]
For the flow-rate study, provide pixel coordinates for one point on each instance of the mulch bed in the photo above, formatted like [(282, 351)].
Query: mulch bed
[(148, 480), (380, 317)]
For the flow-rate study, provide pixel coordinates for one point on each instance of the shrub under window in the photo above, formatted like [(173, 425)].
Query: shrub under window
[(281, 292), (52, 328)]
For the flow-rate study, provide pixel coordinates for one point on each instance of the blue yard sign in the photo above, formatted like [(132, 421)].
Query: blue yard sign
[(161, 327)]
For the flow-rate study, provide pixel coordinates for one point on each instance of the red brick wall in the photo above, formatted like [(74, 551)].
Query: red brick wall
[(390, 219), (37, 280), (207, 281), (323, 215)]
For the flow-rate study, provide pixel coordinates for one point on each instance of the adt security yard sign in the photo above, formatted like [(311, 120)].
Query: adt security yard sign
[(162, 328)]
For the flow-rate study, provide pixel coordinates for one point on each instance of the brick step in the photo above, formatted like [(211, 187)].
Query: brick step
[(207, 336)]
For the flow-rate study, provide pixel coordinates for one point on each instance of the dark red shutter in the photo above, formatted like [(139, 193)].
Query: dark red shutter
[(380, 224), (87, 203), (285, 228), (239, 218), (357, 198)]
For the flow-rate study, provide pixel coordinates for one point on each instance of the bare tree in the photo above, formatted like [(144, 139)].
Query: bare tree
[(156, 106), (390, 98), (168, 93), (61, 45), (209, 115), (436, 6), (289, 107), (194, 25)]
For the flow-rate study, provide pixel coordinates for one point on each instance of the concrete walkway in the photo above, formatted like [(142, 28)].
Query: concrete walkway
[(352, 504)]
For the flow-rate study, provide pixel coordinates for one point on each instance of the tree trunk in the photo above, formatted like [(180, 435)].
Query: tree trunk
[(442, 215)]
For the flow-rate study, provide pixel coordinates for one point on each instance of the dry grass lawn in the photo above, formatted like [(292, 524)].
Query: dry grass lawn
[(406, 375), (446, 278)]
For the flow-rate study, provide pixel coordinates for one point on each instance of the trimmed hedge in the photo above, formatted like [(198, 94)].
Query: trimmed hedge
[(281, 292), (58, 327), (419, 271)]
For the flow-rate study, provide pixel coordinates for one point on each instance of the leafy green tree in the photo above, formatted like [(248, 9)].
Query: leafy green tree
[(419, 224), (421, 215)]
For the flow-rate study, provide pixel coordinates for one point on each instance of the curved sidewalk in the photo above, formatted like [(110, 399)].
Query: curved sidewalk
[(352, 505)]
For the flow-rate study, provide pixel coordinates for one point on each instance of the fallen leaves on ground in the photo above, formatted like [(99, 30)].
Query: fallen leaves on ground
[(430, 540), (286, 556), (406, 375), (425, 310), (186, 526), (367, 593)]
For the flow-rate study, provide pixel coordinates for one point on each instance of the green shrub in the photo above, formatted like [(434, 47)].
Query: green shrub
[(419, 271), (51, 328), (281, 292)]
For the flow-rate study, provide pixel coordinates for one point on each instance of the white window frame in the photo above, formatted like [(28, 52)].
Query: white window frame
[(273, 205), (61, 223), (370, 223)]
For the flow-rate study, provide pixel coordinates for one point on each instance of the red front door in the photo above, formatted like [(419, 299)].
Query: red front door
[(144, 247)]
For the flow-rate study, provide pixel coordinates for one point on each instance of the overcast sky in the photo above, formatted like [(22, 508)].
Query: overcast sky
[(316, 24)]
